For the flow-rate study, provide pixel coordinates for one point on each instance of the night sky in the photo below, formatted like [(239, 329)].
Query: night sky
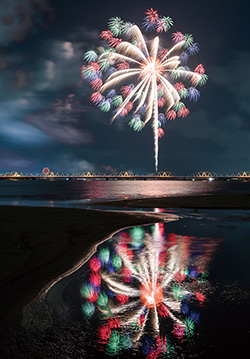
[(47, 118)]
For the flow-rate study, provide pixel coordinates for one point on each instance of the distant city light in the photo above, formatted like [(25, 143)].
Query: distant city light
[(46, 171)]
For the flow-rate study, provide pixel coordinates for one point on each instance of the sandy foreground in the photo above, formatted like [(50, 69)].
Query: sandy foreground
[(40, 245)]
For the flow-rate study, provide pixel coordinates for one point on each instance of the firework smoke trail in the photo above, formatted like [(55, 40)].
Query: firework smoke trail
[(156, 144), (153, 95)]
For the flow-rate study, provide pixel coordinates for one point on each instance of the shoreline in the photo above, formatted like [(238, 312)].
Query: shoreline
[(204, 201), (41, 245)]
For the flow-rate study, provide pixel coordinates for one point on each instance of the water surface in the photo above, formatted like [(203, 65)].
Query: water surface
[(198, 271), (76, 193)]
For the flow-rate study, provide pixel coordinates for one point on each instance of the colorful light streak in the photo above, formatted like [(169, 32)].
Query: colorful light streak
[(131, 57), (144, 284)]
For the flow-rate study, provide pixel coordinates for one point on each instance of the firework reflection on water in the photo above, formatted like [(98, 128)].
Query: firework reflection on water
[(145, 290)]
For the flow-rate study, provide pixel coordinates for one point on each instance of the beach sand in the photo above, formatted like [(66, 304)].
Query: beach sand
[(40, 245)]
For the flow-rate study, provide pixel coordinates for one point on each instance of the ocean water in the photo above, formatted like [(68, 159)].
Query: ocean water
[(75, 193), (174, 290)]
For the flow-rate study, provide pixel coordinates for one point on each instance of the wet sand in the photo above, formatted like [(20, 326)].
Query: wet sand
[(39, 245)]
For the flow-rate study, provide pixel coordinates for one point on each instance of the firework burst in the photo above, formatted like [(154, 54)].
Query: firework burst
[(153, 70)]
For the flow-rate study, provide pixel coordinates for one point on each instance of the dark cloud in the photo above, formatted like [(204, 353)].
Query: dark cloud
[(20, 31), (42, 5), (64, 122), (18, 17), (86, 36), (8, 20), (234, 77), (73, 164), (11, 161), (22, 80), (4, 64), (15, 133), (109, 169)]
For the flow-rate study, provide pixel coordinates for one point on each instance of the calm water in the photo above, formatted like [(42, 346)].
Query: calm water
[(74, 193), (176, 290)]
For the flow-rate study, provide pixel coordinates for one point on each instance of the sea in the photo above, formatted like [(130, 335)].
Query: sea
[(179, 289), (74, 193)]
